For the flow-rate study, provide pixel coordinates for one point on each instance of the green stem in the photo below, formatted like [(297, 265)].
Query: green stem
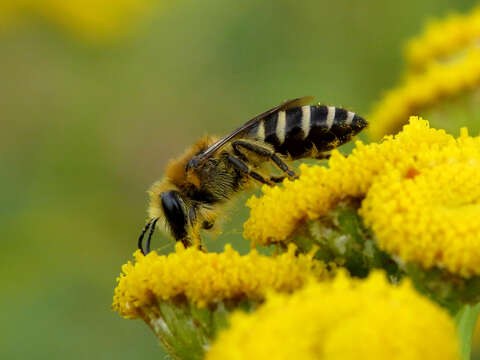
[(466, 320)]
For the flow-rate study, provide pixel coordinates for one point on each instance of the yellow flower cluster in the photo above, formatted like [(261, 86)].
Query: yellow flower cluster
[(433, 215), (343, 319), (420, 91), (422, 197), (442, 38), (275, 215), (94, 20), (205, 278)]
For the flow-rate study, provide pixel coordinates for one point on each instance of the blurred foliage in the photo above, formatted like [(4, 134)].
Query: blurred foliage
[(88, 125)]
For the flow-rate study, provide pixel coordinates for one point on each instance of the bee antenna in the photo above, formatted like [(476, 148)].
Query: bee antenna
[(150, 234), (140, 239)]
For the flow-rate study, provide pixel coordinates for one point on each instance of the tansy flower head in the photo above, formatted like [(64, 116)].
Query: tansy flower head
[(186, 296), (276, 214), (442, 72), (207, 278), (90, 20), (420, 91), (442, 38), (429, 215), (419, 191), (343, 319)]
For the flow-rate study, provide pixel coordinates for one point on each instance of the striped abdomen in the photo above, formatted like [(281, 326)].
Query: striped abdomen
[(298, 131)]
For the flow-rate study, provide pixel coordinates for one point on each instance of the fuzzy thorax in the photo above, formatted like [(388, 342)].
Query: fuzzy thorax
[(191, 198), (177, 179)]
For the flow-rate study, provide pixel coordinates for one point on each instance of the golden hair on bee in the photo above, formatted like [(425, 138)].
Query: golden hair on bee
[(175, 171), (177, 179), (198, 184)]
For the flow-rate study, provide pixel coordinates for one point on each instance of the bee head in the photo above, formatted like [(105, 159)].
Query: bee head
[(174, 212), (193, 163), (169, 202)]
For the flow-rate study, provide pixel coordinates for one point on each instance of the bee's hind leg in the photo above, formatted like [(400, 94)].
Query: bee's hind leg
[(278, 179), (323, 156), (262, 152), (243, 168)]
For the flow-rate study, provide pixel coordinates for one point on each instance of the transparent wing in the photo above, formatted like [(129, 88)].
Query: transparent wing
[(289, 104)]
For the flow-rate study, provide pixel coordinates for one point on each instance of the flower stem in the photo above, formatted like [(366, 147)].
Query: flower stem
[(466, 319)]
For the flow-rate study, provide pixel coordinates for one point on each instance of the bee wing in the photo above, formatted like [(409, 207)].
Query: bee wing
[(289, 104)]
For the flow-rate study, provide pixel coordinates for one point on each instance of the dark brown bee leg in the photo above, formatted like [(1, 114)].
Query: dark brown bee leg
[(243, 168), (282, 166), (263, 152), (323, 156), (277, 179), (260, 178), (238, 153)]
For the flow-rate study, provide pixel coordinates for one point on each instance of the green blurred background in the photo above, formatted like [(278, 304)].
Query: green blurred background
[(88, 122)]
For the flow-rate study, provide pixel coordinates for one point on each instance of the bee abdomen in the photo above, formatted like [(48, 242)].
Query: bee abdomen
[(298, 131)]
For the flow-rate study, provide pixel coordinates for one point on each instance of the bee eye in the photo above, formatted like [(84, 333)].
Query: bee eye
[(192, 164), (175, 214)]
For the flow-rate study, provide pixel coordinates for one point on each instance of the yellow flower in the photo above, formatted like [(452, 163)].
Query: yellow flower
[(442, 64), (431, 218), (442, 38), (275, 215), (420, 91), (93, 20), (205, 278), (342, 319), (420, 192)]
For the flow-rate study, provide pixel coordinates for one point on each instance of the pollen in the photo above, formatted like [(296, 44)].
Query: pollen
[(420, 194), (341, 319), (206, 278)]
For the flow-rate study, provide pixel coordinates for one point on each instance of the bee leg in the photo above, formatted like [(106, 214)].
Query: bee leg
[(263, 152), (282, 166), (238, 153), (323, 156), (243, 168), (260, 178), (277, 179)]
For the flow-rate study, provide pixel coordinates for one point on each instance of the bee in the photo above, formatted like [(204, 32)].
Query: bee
[(197, 184)]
